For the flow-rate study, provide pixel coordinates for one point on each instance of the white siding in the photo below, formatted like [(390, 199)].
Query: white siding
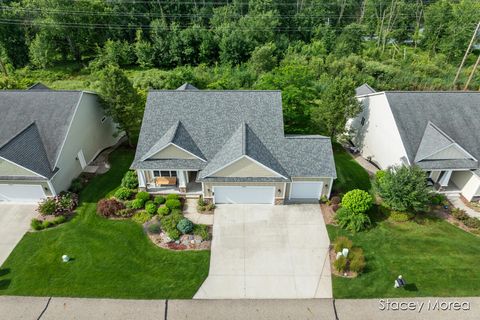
[(244, 167), (468, 182), (451, 152), (86, 133), (378, 137), (172, 152)]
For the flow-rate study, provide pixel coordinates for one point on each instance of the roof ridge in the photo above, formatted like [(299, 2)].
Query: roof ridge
[(244, 138), (18, 133)]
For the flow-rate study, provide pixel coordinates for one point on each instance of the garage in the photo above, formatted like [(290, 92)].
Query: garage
[(306, 189), (244, 194), (21, 193)]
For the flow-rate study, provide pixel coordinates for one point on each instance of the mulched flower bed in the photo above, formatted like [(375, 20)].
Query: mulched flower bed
[(186, 242), (444, 214), (346, 274)]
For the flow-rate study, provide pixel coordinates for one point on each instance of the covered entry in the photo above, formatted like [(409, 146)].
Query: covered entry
[(244, 194)]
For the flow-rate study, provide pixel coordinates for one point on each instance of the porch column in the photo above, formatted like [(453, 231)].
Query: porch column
[(141, 179), (445, 179), (182, 178)]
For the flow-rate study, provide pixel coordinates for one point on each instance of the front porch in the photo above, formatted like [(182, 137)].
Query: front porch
[(456, 183), (170, 181)]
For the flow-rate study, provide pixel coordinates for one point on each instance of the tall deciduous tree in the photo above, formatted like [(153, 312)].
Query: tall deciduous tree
[(120, 100)]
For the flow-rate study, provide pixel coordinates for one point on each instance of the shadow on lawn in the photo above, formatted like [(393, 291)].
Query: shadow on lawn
[(4, 283)]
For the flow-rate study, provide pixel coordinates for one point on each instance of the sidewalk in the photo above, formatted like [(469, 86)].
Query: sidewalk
[(458, 203), (44, 308)]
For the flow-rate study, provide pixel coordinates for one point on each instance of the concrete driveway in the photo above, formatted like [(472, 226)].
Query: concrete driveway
[(268, 252), (14, 222)]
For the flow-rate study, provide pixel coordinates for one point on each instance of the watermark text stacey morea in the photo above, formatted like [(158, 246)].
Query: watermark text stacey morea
[(419, 306)]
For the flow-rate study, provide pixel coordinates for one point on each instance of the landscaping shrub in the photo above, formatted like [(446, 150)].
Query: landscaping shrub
[(202, 231), (109, 207), (123, 193), (59, 220), (404, 189), (141, 217), (130, 180), (36, 224), (342, 242), (136, 204), (47, 224), (437, 198), (47, 206), (76, 186), (173, 196), (66, 202), (357, 201), (459, 214), (151, 208), (163, 211), (173, 204), (210, 206), (340, 264), (143, 195), (158, 200), (173, 234), (154, 228), (201, 208), (398, 216), (471, 222), (349, 220), (125, 213), (356, 260), (201, 202), (185, 226), (169, 225)]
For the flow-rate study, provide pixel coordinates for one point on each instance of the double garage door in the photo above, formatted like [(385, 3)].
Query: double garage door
[(21, 193)]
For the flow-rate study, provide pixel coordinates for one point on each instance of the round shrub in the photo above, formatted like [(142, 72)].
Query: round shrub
[(342, 242), (47, 224), (47, 206), (154, 228), (358, 201), (173, 196), (143, 195), (136, 204), (76, 186), (141, 217), (36, 224), (163, 211), (173, 204), (398, 216), (202, 231), (151, 208), (340, 264), (59, 220), (65, 202), (173, 234), (170, 222), (108, 207), (349, 220), (185, 226), (158, 200), (123, 193), (130, 180)]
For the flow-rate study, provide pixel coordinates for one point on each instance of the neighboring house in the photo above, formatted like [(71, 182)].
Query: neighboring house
[(230, 147), (437, 131), (47, 138)]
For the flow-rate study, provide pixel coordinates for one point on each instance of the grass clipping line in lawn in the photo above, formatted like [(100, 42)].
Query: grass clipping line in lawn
[(111, 259)]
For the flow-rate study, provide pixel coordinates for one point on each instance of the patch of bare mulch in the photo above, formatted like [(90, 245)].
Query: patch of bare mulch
[(328, 213), (333, 257)]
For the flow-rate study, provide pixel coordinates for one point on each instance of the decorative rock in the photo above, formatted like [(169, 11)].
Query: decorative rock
[(65, 258), (345, 252), (177, 241), (339, 254), (192, 241)]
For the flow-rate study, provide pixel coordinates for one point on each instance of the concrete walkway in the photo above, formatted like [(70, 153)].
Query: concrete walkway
[(268, 252), (458, 203), (44, 308), (371, 169), (14, 222), (190, 212)]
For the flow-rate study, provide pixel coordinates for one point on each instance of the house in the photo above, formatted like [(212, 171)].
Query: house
[(437, 131), (47, 137), (229, 147)]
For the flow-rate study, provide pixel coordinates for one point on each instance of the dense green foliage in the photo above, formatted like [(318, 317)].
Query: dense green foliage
[(403, 188), (352, 221), (357, 201)]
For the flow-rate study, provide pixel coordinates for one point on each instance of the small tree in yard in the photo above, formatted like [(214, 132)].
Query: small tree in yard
[(403, 188)]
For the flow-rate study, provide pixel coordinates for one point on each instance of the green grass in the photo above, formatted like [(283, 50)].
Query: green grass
[(435, 258), (350, 175), (112, 259)]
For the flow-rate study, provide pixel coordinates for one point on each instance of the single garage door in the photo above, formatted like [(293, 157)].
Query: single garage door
[(248, 194), (306, 190), (21, 192)]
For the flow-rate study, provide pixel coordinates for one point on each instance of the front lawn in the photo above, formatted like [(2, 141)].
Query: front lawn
[(112, 259), (435, 257)]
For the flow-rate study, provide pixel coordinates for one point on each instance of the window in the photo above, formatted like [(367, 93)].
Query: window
[(363, 121), (103, 119), (165, 173), (173, 173), (156, 173)]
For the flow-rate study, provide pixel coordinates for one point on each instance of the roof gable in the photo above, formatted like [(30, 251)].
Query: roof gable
[(244, 167), (172, 151), (433, 141), (187, 86)]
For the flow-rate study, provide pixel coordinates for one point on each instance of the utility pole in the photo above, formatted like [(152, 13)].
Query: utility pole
[(466, 54), (472, 73)]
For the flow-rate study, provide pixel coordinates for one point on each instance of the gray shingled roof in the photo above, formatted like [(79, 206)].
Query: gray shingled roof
[(455, 114), (187, 86), (364, 89), (213, 120), (51, 111), (433, 140), (27, 150), (38, 86)]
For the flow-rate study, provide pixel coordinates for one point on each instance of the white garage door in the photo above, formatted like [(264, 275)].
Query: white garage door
[(21, 192), (238, 194), (306, 190)]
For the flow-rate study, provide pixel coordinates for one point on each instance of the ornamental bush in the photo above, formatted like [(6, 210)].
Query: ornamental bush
[(357, 260), (123, 193), (459, 214), (357, 201), (171, 221), (47, 206), (141, 217), (173, 204), (36, 224), (351, 221), (404, 189), (130, 180), (65, 203), (342, 242), (109, 207), (158, 200), (471, 222), (398, 216), (340, 264), (185, 226), (151, 208), (154, 228), (143, 195), (173, 196), (173, 234), (163, 211), (202, 231)]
